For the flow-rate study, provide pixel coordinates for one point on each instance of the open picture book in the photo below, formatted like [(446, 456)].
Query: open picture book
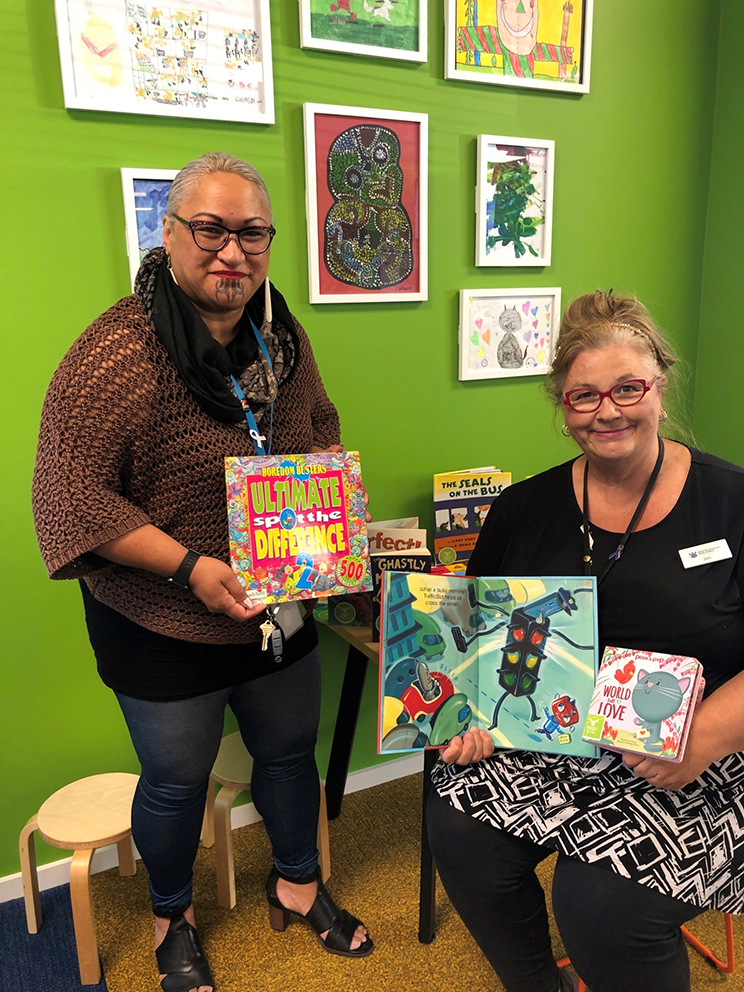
[(515, 656)]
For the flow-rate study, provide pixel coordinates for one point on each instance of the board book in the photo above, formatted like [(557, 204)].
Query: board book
[(515, 656), (297, 525), (461, 502), (643, 702)]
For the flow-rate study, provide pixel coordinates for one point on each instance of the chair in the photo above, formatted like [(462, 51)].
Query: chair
[(232, 770), (80, 817), (726, 966)]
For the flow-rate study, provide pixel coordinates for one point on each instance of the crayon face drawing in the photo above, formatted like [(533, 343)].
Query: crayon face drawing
[(542, 44), (393, 29), (515, 187), (507, 332)]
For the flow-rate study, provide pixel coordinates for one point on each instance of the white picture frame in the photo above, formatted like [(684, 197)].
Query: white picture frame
[(475, 53), (207, 63), (311, 35), (506, 240), (507, 333), (397, 270), (145, 195)]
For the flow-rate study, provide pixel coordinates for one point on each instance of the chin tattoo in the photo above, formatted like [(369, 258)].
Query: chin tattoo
[(229, 291)]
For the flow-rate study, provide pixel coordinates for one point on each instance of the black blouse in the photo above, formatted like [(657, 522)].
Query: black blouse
[(648, 599)]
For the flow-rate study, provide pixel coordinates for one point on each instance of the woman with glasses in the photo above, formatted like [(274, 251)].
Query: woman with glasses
[(644, 845), (204, 360)]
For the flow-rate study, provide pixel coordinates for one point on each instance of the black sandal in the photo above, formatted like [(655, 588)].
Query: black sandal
[(181, 958), (323, 915)]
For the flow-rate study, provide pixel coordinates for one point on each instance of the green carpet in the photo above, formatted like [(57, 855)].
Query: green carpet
[(374, 850)]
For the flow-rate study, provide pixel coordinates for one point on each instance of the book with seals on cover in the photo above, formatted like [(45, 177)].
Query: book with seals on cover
[(643, 702), (297, 525)]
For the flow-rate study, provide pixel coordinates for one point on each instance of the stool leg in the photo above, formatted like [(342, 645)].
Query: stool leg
[(324, 847), (207, 838), (82, 917), (29, 876), (126, 856), (223, 846)]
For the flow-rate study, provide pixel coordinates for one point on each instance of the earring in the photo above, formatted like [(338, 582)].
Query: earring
[(664, 417), (168, 259), (565, 431)]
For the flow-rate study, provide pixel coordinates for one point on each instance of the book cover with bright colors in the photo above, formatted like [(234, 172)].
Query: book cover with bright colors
[(297, 525), (515, 656), (643, 702), (461, 503)]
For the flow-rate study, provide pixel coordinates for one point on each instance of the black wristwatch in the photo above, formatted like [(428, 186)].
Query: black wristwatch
[(180, 579)]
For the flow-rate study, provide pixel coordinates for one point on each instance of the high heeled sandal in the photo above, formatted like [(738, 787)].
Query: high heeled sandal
[(323, 915), (181, 958)]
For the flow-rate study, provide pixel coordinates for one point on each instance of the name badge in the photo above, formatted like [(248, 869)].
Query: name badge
[(704, 554)]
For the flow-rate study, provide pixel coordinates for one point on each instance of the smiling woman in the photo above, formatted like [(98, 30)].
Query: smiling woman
[(643, 844), (204, 360)]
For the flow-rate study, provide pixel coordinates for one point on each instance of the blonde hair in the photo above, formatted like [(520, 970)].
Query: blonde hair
[(207, 165), (598, 319)]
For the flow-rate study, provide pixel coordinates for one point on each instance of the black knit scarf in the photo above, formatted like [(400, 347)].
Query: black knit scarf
[(204, 365)]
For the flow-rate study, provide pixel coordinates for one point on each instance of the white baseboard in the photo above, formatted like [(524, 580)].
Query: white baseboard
[(58, 872)]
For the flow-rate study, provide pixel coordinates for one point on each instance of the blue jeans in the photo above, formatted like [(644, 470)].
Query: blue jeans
[(177, 743)]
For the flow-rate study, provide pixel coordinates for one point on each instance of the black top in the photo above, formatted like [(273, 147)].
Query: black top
[(141, 663), (648, 600)]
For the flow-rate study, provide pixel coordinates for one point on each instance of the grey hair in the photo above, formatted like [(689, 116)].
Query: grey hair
[(207, 165)]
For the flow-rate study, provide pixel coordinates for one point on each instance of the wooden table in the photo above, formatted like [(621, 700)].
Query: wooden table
[(361, 650)]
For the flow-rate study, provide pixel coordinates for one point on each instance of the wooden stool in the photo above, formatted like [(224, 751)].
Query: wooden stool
[(81, 817), (232, 770)]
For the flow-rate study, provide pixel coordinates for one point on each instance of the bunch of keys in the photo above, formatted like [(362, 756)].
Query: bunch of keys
[(272, 634)]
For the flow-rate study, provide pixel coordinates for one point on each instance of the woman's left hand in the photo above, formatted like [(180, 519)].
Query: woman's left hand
[(667, 774), (337, 449)]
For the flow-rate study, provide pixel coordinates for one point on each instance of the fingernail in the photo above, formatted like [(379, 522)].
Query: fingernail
[(248, 603)]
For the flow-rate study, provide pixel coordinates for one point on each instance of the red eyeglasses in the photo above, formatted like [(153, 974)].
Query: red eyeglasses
[(626, 393)]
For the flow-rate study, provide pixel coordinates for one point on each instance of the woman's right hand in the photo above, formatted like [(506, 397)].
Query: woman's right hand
[(473, 746), (217, 586)]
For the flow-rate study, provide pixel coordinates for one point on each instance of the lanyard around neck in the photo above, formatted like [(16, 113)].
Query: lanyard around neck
[(256, 436), (615, 556)]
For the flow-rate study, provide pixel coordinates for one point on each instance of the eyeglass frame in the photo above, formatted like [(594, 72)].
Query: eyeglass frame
[(194, 225), (647, 385)]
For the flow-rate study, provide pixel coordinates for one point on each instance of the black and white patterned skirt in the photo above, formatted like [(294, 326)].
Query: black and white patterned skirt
[(687, 844)]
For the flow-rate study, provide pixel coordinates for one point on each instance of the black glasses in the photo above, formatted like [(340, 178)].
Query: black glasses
[(208, 236), (626, 393)]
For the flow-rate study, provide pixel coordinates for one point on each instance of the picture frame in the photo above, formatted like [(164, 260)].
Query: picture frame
[(390, 29), (145, 197), (205, 62), (545, 44), (505, 333), (366, 199), (514, 201)]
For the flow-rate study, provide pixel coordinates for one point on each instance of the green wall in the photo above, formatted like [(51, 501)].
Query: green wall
[(719, 406), (632, 165)]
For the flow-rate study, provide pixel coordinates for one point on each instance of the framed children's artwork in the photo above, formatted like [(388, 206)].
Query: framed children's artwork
[(366, 195), (206, 58), (391, 29), (514, 201), (145, 199), (508, 332), (539, 44)]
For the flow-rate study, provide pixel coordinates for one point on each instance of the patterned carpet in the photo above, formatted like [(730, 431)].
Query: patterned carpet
[(374, 847)]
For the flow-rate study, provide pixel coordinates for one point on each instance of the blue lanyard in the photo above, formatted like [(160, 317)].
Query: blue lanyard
[(256, 436)]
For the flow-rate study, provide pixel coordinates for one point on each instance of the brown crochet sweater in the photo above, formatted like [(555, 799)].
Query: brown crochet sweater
[(123, 444)]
